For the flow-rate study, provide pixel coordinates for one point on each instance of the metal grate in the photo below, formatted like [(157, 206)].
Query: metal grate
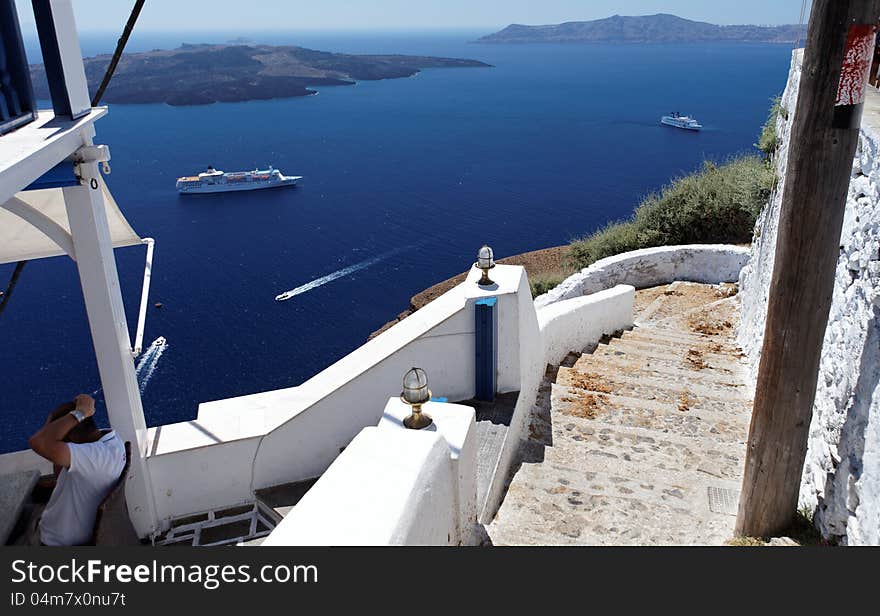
[(723, 500)]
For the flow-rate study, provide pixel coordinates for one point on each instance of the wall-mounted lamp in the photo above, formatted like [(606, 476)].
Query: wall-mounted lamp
[(485, 262), (415, 394)]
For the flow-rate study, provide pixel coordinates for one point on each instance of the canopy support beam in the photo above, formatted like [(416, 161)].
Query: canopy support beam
[(46, 225), (103, 299)]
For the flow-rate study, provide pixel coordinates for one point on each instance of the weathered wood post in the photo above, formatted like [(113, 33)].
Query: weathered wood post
[(825, 132)]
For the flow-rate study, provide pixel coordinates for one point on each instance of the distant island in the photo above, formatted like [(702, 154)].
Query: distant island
[(660, 28), (204, 74)]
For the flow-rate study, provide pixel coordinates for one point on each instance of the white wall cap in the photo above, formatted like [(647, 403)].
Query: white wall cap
[(373, 487), (454, 422)]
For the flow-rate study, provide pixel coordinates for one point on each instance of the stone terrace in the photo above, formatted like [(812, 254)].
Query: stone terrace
[(641, 440)]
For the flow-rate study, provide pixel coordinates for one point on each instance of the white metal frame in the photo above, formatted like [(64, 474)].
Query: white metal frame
[(191, 533)]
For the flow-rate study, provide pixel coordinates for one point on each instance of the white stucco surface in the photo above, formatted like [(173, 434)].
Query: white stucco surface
[(841, 477), (389, 487), (649, 267), (288, 435), (573, 324), (456, 423), (25, 460), (530, 364)]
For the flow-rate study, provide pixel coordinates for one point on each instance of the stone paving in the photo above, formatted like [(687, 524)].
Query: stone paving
[(629, 440)]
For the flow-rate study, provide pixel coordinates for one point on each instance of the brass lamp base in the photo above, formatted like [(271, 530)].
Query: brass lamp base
[(417, 420), (485, 281)]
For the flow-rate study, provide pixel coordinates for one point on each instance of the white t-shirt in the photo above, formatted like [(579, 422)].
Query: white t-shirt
[(69, 517)]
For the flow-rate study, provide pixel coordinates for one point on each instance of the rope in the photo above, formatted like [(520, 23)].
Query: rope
[(12, 282), (801, 23), (120, 47)]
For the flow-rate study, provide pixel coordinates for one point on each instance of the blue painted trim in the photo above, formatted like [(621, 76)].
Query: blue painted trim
[(52, 59), (17, 102), (59, 176), (486, 348)]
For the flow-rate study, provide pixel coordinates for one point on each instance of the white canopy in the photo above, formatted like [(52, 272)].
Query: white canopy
[(20, 217)]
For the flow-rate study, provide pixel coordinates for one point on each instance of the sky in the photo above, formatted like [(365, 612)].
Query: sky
[(252, 15)]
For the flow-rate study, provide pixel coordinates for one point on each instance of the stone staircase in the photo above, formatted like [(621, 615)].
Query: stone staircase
[(640, 440)]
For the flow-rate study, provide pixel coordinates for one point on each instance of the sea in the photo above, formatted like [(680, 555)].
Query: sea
[(404, 180)]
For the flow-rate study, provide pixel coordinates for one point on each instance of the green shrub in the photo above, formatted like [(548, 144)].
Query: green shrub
[(768, 142), (718, 204), (543, 283)]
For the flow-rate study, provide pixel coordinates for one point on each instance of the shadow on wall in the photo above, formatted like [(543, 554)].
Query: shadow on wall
[(841, 498)]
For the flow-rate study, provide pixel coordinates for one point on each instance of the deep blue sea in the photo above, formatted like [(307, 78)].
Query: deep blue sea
[(408, 175)]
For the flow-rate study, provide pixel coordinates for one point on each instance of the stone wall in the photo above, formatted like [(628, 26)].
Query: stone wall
[(841, 478)]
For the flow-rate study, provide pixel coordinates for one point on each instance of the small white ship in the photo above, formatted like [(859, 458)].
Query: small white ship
[(680, 121), (214, 180)]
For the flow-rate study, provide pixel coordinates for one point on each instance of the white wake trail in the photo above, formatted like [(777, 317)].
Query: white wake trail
[(319, 282), (148, 362)]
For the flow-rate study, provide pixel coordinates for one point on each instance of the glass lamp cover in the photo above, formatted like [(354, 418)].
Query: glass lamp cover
[(415, 386), (485, 257)]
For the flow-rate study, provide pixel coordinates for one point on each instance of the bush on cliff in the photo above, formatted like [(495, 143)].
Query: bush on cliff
[(718, 204), (544, 282), (768, 142)]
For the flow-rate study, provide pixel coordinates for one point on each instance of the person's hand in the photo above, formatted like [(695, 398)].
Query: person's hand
[(85, 404)]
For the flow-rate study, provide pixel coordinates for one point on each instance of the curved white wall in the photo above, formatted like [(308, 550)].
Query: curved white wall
[(649, 267)]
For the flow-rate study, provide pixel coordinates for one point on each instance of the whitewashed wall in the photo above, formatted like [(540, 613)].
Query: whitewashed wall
[(841, 478), (293, 434), (389, 487), (574, 324), (649, 267)]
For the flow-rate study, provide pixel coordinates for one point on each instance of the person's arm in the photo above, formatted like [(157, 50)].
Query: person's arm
[(49, 443)]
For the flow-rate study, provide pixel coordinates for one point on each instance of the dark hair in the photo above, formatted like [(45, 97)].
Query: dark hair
[(81, 431)]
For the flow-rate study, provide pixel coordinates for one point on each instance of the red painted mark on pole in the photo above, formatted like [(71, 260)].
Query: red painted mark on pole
[(856, 65), (854, 77)]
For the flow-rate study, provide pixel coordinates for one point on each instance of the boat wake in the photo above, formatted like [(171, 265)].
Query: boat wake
[(148, 362), (319, 282)]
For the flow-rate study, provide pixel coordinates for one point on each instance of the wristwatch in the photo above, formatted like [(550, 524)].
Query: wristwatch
[(78, 415)]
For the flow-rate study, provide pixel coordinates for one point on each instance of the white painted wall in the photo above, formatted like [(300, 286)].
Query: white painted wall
[(25, 460), (841, 478), (574, 324), (530, 364), (394, 486), (649, 267), (457, 425), (289, 435), (389, 487)]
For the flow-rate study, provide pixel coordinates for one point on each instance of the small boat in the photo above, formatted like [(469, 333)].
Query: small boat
[(680, 121), (214, 180)]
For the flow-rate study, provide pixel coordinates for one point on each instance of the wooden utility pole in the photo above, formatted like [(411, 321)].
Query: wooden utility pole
[(824, 135)]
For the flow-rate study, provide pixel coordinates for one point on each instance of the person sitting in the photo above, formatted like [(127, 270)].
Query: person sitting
[(88, 462)]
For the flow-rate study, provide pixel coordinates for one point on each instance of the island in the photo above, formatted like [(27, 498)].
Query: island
[(207, 73), (660, 28)]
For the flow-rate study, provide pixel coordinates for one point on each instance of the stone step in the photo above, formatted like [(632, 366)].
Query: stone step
[(590, 405), (552, 506), (635, 452), (723, 354), (685, 393), (692, 365), (658, 333), (728, 425)]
